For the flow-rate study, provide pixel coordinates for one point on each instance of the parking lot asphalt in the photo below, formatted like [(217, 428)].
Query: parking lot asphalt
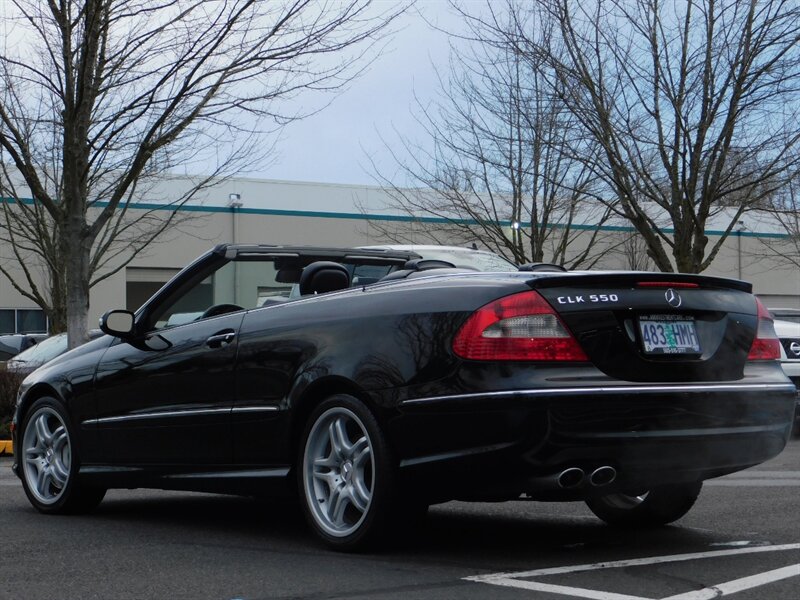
[(742, 538)]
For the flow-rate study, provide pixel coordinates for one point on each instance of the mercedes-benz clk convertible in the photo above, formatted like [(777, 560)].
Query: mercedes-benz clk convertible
[(371, 384)]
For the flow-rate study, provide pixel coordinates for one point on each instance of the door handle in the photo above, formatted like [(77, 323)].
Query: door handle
[(223, 338)]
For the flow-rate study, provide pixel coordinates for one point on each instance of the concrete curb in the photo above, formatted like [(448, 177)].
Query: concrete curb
[(6, 448)]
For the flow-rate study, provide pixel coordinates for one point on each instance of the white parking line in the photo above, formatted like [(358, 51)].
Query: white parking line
[(534, 586), (521, 579), (739, 544), (739, 585)]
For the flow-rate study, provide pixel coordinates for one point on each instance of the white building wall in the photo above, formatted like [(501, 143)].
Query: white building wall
[(278, 212)]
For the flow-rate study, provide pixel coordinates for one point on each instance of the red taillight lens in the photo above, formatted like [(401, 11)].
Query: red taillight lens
[(519, 327), (766, 345)]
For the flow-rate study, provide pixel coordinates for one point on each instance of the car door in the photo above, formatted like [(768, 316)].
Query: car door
[(167, 399), (165, 390)]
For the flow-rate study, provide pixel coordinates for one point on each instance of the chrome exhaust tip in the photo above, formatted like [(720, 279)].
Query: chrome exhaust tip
[(603, 476), (570, 478)]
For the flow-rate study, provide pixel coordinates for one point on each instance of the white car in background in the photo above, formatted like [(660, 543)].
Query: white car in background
[(787, 326), (786, 314), (458, 256)]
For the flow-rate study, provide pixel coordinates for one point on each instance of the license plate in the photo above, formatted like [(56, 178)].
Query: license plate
[(668, 334)]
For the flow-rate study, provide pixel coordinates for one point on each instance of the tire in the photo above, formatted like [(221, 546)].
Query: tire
[(656, 507), (49, 462), (346, 475)]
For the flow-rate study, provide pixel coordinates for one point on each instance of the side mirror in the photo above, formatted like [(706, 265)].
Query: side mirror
[(118, 323)]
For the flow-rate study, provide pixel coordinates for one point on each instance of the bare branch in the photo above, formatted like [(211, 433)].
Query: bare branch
[(499, 165), (101, 98), (695, 107)]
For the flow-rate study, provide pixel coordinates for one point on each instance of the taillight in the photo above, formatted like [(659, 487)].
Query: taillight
[(518, 327), (766, 345)]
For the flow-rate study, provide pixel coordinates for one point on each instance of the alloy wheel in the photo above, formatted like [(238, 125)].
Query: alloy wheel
[(338, 471), (47, 455)]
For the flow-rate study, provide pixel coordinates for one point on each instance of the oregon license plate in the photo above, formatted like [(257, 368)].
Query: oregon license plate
[(668, 334)]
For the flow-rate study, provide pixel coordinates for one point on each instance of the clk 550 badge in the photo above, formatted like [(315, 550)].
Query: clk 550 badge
[(591, 298)]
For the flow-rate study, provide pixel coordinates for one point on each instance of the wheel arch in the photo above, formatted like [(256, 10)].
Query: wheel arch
[(31, 395), (315, 393)]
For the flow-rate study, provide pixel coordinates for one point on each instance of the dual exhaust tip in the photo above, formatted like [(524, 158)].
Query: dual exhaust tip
[(575, 476)]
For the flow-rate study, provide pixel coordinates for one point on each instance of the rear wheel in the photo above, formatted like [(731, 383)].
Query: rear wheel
[(658, 506), (346, 476), (50, 462)]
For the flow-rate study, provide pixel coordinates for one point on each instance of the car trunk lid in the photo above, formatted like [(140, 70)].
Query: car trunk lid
[(657, 327)]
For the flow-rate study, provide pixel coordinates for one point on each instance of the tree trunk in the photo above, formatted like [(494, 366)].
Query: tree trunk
[(57, 311), (76, 250)]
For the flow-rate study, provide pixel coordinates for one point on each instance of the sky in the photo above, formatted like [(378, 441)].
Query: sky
[(334, 145)]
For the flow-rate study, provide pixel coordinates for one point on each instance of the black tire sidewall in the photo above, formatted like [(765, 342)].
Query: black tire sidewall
[(383, 471), (663, 505)]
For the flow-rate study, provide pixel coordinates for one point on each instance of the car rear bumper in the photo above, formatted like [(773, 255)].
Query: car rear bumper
[(792, 371), (519, 441)]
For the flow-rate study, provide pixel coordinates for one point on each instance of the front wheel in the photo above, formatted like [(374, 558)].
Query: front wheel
[(652, 508), (50, 462), (345, 475)]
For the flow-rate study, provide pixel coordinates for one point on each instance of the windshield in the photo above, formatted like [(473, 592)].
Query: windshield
[(44, 351)]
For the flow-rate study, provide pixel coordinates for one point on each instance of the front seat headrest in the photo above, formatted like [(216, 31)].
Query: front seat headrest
[(323, 276)]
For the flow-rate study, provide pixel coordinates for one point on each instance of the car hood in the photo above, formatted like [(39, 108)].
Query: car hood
[(56, 365)]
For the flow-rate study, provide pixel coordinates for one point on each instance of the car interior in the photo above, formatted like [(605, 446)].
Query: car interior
[(260, 281)]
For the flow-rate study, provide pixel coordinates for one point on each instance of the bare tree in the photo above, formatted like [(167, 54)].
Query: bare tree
[(633, 252), (785, 212), (694, 105), (99, 97), (498, 164), (31, 257)]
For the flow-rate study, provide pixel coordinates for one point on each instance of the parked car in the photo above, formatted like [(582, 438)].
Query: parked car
[(789, 335), (786, 314), (460, 257), (373, 401), (14, 343), (46, 350)]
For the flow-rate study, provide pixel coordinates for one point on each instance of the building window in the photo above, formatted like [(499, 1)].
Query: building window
[(22, 320), (7, 321), (142, 283)]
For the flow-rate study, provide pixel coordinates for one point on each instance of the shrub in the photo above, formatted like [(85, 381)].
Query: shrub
[(9, 384)]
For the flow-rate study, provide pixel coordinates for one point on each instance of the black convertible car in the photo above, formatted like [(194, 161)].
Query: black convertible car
[(373, 383)]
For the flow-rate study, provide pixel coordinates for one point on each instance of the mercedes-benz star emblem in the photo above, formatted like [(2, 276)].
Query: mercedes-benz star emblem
[(673, 299), (794, 348)]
